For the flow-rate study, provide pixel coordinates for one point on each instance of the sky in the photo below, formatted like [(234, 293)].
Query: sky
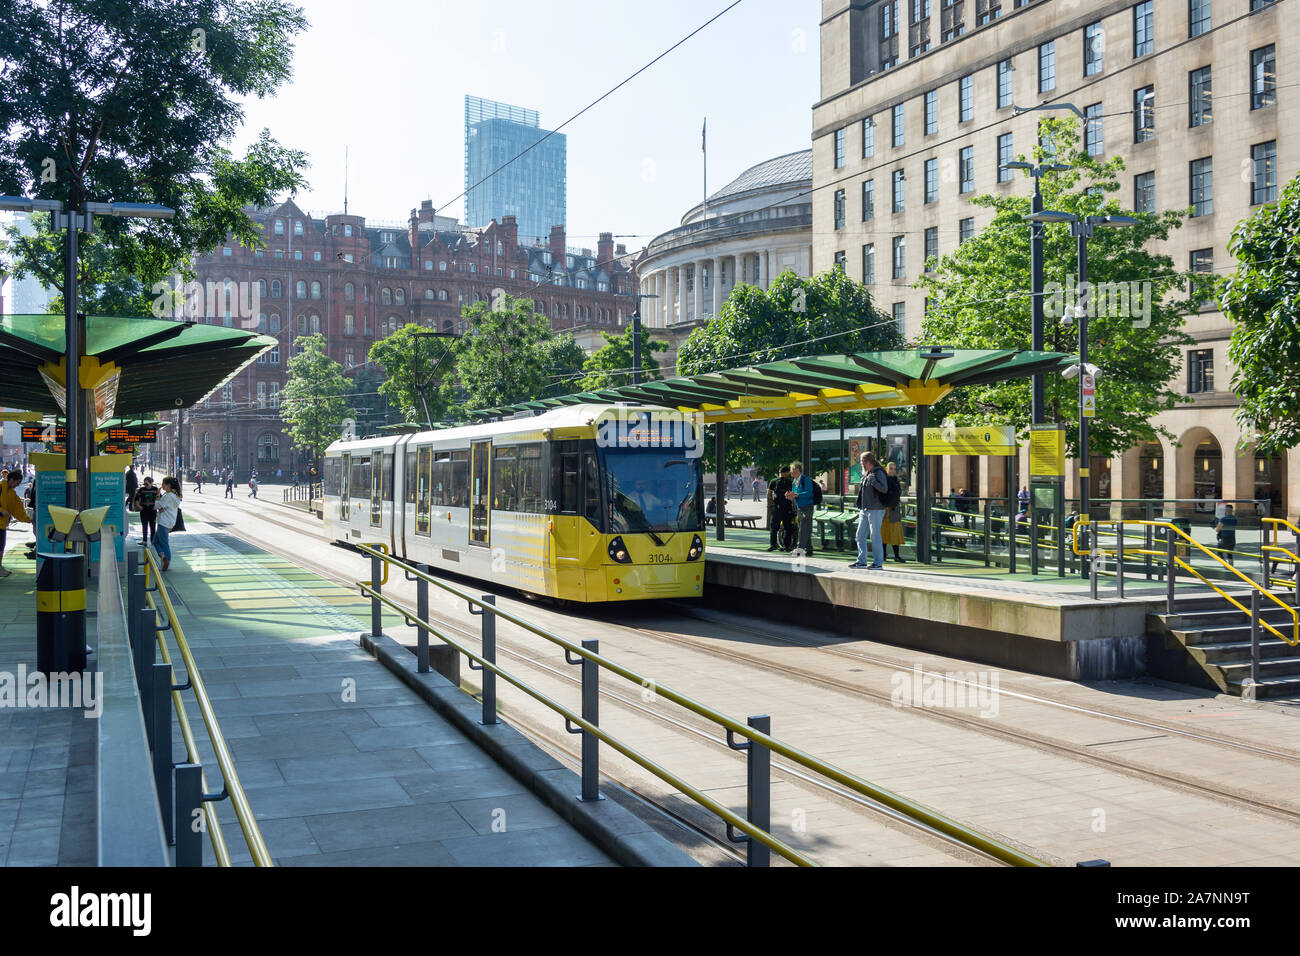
[(388, 81)]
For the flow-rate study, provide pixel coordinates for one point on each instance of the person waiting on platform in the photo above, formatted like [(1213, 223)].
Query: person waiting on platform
[(871, 513), (891, 529), (780, 512), (802, 497), (1226, 529), (11, 509)]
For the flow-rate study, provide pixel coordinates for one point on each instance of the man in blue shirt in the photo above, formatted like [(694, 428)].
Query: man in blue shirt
[(1226, 529), (801, 494)]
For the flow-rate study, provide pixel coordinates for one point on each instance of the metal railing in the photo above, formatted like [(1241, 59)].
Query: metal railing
[(188, 806), (303, 492), (754, 828)]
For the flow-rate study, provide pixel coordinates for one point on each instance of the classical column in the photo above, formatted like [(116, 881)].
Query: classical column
[(699, 294), (670, 295), (767, 268), (715, 283)]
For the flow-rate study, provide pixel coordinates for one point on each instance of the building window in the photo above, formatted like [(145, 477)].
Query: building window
[(931, 247), (897, 139), (899, 188), (1144, 192), (951, 21), (349, 358), (261, 395), (226, 251), (275, 322), (889, 28), (1201, 262), (268, 448), (869, 264), (839, 148), (279, 227), (1198, 17), (349, 324), (965, 99), (986, 11), (386, 296), (1094, 46), (297, 227), (966, 169), (900, 257), (275, 394), (868, 138), (1005, 155), (1202, 186), (1144, 114), (315, 324), (275, 355), (1144, 31), (297, 254), (1200, 97), (1047, 67), (868, 200), (1004, 83), (300, 290), (1200, 371), (839, 209), (1092, 137), (275, 288), (442, 295), (931, 180), (919, 41), (399, 296), (840, 260), (931, 112), (1263, 77), (315, 290), (965, 229), (900, 317), (1260, 4), (207, 449), (279, 253), (1263, 186)]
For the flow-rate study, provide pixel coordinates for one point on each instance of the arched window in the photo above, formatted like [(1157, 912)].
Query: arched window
[(261, 321), (275, 322), (297, 227), (428, 293), (442, 266), (349, 292), (301, 289), (442, 295), (315, 324), (261, 288), (315, 290), (207, 449), (399, 296), (279, 227), (386, 296), (275, 288), (302, 325)]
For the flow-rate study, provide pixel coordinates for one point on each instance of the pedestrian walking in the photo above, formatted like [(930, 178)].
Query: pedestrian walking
[(871, 503), (891, 529), (780, 512), (11, 509), (146, 503), (252, 486), (757, 485), (1226, 529), (198, 481), (169, 506), (802, 496), (230, 484)]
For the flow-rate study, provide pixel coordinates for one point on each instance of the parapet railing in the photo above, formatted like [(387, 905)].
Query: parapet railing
[(188, 806), (754, 829)]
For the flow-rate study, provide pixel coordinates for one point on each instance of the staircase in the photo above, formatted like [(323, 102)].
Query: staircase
[(1206, 642)]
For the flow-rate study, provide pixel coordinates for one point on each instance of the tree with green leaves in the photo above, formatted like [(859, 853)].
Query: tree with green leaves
[(135, 101), (1263, 298), (419, 372), (564, 360), (980, 299), (314, 401), (610, 366), (795, 316), (507, 354), (370, 407)]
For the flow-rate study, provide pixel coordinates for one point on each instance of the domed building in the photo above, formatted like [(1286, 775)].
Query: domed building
[(749, 231)]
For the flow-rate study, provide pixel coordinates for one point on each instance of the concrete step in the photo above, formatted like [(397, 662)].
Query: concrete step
[(1237, 651), (1235, 634), (1273, 687)]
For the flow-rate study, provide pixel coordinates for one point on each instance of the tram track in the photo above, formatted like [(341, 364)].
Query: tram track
[(1027, 738)]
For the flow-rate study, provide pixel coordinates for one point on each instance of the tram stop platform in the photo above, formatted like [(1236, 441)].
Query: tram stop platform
[(342, 762), (959, 607)]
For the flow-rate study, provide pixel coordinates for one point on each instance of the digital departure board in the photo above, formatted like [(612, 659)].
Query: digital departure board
[(44, 432), (135, 434)]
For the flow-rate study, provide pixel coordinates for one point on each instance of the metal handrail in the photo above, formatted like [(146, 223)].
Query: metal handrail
[(257, 848), (1188, 539), (951, 828)]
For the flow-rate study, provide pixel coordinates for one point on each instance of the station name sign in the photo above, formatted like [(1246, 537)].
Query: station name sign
[(985, 440)]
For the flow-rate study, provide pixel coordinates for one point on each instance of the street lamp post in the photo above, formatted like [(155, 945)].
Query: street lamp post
[(636, 332)]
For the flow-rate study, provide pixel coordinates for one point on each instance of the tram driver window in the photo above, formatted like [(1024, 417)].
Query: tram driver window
[(592, 497)]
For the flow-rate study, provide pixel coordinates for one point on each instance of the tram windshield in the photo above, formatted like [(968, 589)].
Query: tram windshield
[(653, 490)]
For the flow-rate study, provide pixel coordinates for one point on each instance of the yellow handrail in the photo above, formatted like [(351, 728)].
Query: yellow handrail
[(1189, 540), (238, 800), (957, 831)]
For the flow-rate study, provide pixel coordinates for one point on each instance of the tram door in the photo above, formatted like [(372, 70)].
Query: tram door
[(479, 491)]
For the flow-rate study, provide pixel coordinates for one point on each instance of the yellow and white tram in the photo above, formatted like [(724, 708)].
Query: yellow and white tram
[(582, 503)]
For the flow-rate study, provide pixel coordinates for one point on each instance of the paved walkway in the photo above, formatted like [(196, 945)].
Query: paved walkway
[(47, 758), (342, 764)]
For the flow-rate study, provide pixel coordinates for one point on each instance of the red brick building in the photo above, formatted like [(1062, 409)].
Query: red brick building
[(356, 283)]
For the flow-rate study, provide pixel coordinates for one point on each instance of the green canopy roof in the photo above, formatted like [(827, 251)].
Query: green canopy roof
[(165, 364), (818, 384)]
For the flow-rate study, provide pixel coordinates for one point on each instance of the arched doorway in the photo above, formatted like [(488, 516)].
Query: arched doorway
[(1207, 474), (1269, 483), (1151, 471)]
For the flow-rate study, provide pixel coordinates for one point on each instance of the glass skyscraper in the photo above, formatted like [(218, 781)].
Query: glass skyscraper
[(532, 188)]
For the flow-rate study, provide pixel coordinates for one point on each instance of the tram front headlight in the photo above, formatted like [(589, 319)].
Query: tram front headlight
[(696, 549), (618, 551)]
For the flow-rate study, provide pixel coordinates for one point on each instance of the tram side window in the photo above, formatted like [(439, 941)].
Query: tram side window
[(505, 472), (564, 498), (361, 477), (529, 479), (442, 479), (388, 476), (330, 477), (422, 499), (460, 479), (592, 497), (408, 476)]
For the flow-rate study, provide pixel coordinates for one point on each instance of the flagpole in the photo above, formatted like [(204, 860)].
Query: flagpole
[(704, 147)]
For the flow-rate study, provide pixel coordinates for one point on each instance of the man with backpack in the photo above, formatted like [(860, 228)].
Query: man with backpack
[(780, 512), (803, 497), (871, 513)]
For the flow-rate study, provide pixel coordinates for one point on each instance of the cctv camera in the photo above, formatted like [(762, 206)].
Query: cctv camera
[(180, 402)]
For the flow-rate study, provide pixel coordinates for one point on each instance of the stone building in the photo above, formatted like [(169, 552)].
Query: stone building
[(919, 109)]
